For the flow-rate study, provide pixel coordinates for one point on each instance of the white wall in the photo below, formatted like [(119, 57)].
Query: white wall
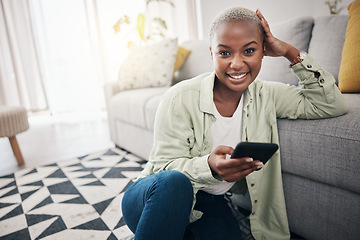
[(275, 11)]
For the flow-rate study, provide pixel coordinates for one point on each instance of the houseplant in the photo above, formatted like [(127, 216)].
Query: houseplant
[(333, 6), (147, 28)]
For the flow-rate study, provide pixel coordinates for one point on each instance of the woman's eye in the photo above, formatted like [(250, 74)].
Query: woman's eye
[(224, 53), (249, 50)]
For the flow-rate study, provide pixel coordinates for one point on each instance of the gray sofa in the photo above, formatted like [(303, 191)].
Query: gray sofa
[(320, 158)]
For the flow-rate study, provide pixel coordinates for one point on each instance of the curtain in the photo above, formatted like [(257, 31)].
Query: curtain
[(180, 17), (69, 54), (79, 50), (185, 20), (21, 82), (57, 54)]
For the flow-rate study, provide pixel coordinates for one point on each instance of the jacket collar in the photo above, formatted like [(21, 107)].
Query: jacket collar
[(207, 94)]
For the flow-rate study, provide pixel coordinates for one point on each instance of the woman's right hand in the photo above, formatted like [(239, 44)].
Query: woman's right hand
[(233, 169), (274, 47)]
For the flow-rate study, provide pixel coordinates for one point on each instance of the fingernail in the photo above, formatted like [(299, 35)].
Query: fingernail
[(259, 164), (249, 160)]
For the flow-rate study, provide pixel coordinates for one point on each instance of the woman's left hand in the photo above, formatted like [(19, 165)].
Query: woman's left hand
[(274, 47)]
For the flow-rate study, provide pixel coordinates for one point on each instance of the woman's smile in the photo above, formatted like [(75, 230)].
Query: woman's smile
[(237, 77)]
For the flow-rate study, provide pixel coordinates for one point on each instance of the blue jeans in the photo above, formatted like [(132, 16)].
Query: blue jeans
[(158, 207)]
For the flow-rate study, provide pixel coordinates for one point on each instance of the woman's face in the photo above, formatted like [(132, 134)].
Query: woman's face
[(237, 52)]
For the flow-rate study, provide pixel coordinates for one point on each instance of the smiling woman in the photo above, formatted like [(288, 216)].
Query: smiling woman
[(199, 122), (236, 46)]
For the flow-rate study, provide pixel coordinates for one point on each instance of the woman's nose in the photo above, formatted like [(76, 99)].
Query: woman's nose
[(237, 62)]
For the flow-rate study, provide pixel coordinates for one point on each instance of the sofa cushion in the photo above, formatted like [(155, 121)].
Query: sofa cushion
[(327, 212), (296, 32), (349, 76), (149, 66), (137, 107), (325, 150), (198, 61), (327, 42)]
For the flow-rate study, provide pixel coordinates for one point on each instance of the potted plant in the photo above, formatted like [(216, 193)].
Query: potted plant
[(333, 6), (147, 28)]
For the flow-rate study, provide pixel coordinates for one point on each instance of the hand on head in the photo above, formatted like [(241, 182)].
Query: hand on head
[(274, 47), (231, 170)]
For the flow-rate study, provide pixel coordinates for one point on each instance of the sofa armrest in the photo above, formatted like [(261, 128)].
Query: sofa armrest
[(110, 89)]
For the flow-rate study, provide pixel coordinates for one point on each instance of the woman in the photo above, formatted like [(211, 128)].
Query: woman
[(198, 123)]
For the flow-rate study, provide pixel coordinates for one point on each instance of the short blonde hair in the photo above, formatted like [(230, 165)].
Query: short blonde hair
[(235, 14)]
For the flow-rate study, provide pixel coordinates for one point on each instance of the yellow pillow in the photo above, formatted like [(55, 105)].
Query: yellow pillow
[(181, 56), (349, 73)]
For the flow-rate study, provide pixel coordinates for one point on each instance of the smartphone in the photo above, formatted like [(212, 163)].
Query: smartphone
[(257, 151)]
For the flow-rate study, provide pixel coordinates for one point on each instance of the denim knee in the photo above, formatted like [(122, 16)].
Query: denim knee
[(175, 185), (162, 199), (175, 180)]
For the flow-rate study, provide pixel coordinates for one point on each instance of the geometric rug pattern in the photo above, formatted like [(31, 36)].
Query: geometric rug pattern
[(78, 198)]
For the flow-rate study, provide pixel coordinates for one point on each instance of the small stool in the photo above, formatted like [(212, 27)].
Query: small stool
[(13, 120)]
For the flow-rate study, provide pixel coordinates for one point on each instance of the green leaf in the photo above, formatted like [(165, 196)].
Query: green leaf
[(141, 25), (116, 26), (122, 20), (161, 22)]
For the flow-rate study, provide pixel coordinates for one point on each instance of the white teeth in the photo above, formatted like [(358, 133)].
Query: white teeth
[(238, 76)]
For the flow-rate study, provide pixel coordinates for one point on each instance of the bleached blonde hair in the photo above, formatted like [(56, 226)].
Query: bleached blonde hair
[(235, 14)]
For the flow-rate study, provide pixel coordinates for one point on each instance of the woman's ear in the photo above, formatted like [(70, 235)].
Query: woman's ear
[(263, 48), (211, 53)]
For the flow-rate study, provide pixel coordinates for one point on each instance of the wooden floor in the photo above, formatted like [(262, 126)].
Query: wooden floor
[(51, 139)]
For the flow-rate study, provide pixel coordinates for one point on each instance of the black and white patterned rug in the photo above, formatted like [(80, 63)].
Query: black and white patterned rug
[(74, 199)]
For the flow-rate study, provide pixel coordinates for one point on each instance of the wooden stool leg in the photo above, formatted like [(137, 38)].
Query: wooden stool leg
[(16, 149)]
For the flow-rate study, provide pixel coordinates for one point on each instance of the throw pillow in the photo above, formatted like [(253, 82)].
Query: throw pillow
[(296, 32), (328, 37), (349, 75), (149, 66), (181, 56)]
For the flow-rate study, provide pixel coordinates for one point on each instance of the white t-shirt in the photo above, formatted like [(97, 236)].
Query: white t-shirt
[(225, 131)]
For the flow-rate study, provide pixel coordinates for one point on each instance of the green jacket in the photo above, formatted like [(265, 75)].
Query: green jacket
[(183, 142)]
